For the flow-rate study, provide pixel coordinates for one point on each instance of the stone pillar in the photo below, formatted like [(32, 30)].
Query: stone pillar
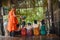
[(1, 21), (51, 17)]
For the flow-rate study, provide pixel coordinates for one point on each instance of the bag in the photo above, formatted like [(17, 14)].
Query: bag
[(23, 32)]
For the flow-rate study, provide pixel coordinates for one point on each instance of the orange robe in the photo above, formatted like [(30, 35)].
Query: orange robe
[(12, 21)]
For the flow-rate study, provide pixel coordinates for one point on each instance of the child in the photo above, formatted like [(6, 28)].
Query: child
[(23, 30), (29, 29), (43, 28), (35, 28)]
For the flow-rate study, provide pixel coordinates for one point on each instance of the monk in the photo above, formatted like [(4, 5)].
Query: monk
[(12, 22)]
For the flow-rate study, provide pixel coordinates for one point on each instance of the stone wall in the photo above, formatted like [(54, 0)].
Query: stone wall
[(56, 12)]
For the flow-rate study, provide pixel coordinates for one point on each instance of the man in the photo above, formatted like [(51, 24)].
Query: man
[(5, 25), (12, 21)]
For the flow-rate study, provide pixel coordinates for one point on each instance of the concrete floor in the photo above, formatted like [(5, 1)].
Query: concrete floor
[(48, 37)]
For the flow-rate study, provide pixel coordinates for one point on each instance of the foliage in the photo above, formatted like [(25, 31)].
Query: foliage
[(31, 14)]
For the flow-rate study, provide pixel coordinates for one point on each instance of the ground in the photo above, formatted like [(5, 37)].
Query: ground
[(48, 37)]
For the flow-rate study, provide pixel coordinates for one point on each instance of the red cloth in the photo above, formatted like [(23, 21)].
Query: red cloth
[(12, 21)]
